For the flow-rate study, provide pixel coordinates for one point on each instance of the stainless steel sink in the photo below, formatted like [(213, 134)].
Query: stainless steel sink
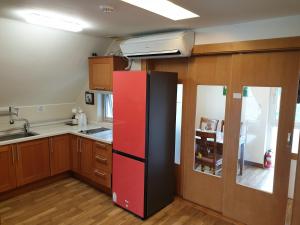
[(8, 137)]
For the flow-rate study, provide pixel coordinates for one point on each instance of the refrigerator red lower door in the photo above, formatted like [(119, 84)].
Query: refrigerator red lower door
[(128, 184)]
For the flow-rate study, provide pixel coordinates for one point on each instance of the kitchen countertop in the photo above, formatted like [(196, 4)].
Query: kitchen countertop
[(45, 131)]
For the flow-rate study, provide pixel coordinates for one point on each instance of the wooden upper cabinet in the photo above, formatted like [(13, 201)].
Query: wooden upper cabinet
[(60, 157), (7, 168), (101, 69), (33, 162)]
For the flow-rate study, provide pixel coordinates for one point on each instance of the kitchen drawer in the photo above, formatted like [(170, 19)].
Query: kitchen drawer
[(103, 178), (102, 149), (103, 163)]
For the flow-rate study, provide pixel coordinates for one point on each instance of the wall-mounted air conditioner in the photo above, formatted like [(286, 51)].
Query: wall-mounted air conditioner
[(167, 45)]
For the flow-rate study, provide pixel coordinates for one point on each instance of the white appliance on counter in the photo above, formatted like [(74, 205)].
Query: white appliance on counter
[(80, 118)]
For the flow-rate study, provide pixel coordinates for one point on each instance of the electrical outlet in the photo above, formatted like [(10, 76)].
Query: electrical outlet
[(41, 108)]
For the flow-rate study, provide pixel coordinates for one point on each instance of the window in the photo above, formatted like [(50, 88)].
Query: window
[(107, 107)]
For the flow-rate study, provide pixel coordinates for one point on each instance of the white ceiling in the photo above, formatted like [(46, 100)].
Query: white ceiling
[(128, 20)]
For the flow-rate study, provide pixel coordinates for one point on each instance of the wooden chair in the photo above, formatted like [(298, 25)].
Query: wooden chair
[(222, 125), (208, 124), (206, 153)]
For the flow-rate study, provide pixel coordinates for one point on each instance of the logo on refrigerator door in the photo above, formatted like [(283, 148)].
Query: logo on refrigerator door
[(126, 203), (114, 197)]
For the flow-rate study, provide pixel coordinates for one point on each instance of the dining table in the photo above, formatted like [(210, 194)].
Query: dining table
[(220, 143)]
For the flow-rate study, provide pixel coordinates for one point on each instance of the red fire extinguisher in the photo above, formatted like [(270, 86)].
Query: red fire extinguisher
[(268, 159)]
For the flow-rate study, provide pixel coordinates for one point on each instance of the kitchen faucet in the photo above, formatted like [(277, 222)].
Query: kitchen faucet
[(26, 124)]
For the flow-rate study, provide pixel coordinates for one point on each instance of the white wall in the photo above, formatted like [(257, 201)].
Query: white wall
[(255, 114), (50, 112), (93, 114), (210, 103), (41, 66), (260, 29)]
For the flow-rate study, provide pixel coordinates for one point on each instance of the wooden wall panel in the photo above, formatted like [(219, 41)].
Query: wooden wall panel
[(278, 69), (200, 188), (266, 45), (180, 66)]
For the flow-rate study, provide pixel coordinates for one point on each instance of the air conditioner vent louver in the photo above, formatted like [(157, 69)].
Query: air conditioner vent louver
[(156, 54), (178, 44)]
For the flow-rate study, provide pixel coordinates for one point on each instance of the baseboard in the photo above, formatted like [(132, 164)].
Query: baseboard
[(212, 212), (92, 183), (249, 163), (49, 180)]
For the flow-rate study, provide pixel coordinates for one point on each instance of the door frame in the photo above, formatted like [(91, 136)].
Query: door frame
[(296, 201)]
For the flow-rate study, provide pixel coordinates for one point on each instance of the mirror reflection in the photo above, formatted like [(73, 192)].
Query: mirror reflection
[(209, 129), (258, 137)]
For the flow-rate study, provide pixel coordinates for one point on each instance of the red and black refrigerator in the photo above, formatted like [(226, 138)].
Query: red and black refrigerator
[(144, 112)]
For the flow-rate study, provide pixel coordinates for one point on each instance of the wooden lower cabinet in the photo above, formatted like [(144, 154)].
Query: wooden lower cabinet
[(8, 178), (92, 160), (60, 157), (75, 155), (86, 157), (102, 163), (32, 161)]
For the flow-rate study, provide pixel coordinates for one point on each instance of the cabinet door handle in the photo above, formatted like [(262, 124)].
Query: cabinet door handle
[(80, 145), (101, 88), (18, 155), (98, 173), (101, 159), (13, 154), (77, 149), (51, 144), (100, 145)]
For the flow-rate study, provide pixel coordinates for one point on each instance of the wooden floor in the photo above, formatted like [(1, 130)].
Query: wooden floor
[(70, 201), (257, 178)]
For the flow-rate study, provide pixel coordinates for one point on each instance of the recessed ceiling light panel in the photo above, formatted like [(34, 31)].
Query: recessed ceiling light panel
[(53, 20), (164, 8)]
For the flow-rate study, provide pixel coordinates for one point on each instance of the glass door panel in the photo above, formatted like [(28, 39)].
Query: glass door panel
[(209, 129), (258, 137)]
